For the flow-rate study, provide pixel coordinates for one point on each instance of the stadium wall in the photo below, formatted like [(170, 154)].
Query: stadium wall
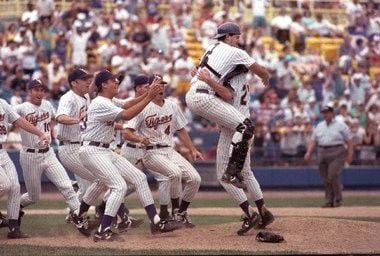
[(273, 177)]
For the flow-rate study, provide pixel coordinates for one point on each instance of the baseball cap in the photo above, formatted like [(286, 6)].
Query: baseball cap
[(34, 84), (227, 28), (140, 80), (78, 73), (103, 76), (328, 107)]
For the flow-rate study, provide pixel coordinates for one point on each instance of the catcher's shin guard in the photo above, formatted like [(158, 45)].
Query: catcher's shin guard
[(245, 132)]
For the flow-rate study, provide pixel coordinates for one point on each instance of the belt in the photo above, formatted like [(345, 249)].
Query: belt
[(98, 144), (131, 145), (61, 143), (32, 150), (119, 145), (332, 146), (156, 146), (205, 91)]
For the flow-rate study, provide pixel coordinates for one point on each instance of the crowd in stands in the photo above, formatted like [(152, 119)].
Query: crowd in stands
[(150, 37)]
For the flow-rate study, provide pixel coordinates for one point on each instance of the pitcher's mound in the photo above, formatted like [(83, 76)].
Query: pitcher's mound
[(302, 235)]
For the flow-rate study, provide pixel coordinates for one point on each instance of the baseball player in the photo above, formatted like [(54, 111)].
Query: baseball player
[(112, 169), (133, 152), (9, 183), (71, 117), (157, 124), (36, 159), (227, 66)]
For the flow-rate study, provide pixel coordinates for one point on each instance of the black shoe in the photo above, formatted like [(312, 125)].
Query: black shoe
[(164, 226), (128, 223), (106, 235), (80, 223), (16, 234), (328, 205), (183, 218), (266, 219), (337, 204), (249, 223), (3, 221)]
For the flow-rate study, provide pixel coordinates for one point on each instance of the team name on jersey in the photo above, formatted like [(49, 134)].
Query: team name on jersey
[(34, 119), (153, 121), (2, 117)]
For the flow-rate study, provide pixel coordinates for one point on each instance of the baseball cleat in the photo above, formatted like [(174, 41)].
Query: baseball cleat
[(80, 223), (184, 218), (128, 223), (164, 226), (266, 219), (3, 221), (249, 223), (106, 235), (16, 233)]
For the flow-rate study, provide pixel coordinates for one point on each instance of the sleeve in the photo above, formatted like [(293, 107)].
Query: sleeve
[(242, 57), (347, 134), (12, 114), (18, 109), (108, 112), (119, 102), (181, 120), (65, 107)]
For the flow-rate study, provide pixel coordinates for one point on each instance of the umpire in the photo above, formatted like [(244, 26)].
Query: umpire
[(331, 136)]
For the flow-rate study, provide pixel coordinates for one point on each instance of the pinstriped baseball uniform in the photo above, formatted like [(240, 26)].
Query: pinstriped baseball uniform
[(208, 105), (34, 163), (241, 103), (159, 123), (9, 184), (111, 168), (134, 154), (73, 105)]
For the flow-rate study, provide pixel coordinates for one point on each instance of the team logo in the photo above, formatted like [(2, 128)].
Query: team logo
[(153, 121), (34, 119)]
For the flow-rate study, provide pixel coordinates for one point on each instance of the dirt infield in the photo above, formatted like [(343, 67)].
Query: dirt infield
[(302, 234)]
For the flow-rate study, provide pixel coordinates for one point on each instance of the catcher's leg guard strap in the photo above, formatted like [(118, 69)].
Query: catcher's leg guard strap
[(238, 154)]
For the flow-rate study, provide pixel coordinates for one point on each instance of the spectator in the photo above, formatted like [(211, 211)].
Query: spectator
[(281, 26)]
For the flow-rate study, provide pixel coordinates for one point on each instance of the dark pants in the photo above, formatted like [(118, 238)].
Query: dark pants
[(331, 162)]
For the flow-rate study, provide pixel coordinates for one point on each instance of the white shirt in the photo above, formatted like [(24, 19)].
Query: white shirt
[(101, 116), (159, 123), (282, 22), (258, 7), (7, 116), (336, 133), (40, 116), (72, 105)]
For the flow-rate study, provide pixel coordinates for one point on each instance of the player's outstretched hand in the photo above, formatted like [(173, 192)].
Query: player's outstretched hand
[(265, 82), (196, 155), (204, 75), (44, 140), (155, 88), (194, 71)]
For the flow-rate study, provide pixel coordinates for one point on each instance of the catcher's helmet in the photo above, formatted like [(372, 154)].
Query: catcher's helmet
[(228, 28)]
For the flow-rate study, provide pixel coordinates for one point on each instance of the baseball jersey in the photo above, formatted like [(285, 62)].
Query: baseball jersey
[(101, 116), (7, 116), (223, 59), (73, 105), (159, 123), (39, 116)]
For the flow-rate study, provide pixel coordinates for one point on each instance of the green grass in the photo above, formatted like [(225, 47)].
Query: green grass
[(26, 250), (227, 202)]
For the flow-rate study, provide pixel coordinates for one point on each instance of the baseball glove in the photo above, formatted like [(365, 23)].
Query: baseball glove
[(269, 237)]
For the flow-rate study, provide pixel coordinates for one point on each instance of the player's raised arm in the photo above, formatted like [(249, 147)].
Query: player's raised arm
[(260, 71)]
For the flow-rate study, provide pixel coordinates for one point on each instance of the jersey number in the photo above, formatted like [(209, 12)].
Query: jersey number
[(167, 130), (3, 130), (47, 127), (243, 99)]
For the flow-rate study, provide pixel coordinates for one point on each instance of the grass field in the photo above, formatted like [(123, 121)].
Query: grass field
[(48, 226)]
